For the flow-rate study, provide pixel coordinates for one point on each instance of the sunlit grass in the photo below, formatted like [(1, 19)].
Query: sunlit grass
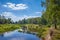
[(8, 27)]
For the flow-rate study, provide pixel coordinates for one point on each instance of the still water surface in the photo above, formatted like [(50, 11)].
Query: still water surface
[(15, 35)]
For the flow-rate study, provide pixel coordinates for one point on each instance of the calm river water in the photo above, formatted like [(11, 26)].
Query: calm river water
[(15, 35)]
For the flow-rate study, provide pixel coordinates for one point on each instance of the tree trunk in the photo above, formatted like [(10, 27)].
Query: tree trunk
[(55, 22), (55, 26)]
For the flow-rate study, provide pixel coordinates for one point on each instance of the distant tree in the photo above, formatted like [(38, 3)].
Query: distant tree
[(24, 21), (3, 20), (9, 20)]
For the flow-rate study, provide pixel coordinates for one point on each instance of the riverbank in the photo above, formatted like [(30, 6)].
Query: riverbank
[(42, 31), (39, 30), (8, 27), (52, 34)]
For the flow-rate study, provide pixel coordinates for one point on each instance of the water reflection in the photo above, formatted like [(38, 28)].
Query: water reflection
[(2, 35), (15, 35)]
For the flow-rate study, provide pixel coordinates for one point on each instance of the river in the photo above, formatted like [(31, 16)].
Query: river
[(15, 35)]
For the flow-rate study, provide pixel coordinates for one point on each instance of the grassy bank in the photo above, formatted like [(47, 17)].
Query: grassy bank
[(56, 34), (40, 30), (8, 27)]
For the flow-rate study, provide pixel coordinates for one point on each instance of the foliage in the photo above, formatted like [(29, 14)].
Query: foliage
[(3, 20), (52, 13), (30, 21), (8, 27)]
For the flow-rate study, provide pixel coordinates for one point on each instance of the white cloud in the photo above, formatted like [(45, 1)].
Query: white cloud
[(16, 18), (25, 16), (16, 6), (38, 12)]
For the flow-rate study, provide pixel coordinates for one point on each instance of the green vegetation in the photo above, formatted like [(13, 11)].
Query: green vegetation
[(3, 20), (52, 13), (8, 27), (52, 16), (39, 30)]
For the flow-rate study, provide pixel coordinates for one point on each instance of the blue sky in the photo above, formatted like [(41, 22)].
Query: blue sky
[(20, 9)]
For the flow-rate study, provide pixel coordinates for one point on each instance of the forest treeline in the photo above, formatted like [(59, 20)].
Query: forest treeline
[(37, 20), (3, 20)]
